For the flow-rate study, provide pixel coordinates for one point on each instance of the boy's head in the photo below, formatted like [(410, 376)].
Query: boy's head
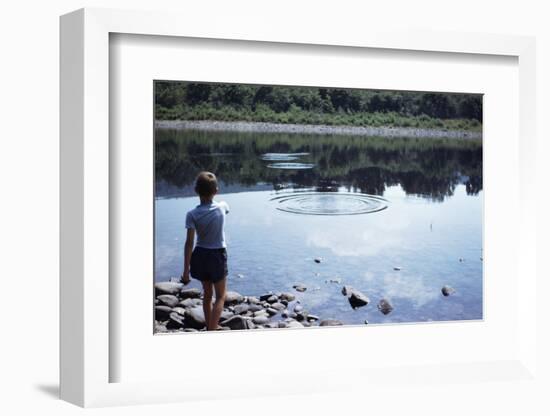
[(206, 185)]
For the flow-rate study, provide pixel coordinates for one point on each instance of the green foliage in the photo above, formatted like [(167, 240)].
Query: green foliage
[(312, 105)]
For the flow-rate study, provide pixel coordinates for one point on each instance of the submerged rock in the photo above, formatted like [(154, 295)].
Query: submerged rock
[(385, 306), (168, 288), (346, 290), (168, 300), (447, 290), (331, 322), (356, 298), (300, 288), (317, 259)]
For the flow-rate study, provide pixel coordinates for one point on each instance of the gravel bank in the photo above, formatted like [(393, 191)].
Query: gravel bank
[(243, 126)]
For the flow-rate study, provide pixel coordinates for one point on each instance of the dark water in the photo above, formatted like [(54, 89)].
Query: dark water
[(364, 205)]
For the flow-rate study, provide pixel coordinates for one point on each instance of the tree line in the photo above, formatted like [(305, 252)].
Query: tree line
[(180, 98)]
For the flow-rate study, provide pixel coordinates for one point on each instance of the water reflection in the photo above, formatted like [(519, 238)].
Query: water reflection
[(429, 168)]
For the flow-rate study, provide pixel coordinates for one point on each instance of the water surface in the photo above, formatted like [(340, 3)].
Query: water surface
[(395, 218)]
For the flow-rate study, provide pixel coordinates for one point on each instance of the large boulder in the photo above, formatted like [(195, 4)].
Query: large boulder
[(233, 297), (168, 300), (238, 322), (190, 293), (168, 288), (194, 318)]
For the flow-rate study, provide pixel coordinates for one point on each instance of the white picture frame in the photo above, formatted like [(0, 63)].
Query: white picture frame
[(85, 353)]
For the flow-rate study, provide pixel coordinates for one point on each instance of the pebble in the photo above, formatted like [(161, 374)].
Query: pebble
[(397, 268), (317, 259)]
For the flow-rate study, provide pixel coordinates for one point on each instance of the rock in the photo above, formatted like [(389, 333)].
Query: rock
[(285, 313), (272, 299), (233, 297), (190, 293), (317, 259), (294, 324), (396, 268), (260, 320), (179, 310), (168, 288), (254, 308), (266, 296), (240, 309), (357, 299), (346, 290), (168, 300), (156, 301), (289, 297), (447, 290), (306, 324), (312, 318), (298, 308), (176, 321), (194, 318), (282, 324), (240, 275), (261, 312), (190, 330), (253, 300), (225, 315), (160, 328), (190, 302), (272, 311), (331, 322), (366, 322), (278, 306), (162, 313), (272, 325), (301, 316), (385, 306), (237, 322), (300, 288)]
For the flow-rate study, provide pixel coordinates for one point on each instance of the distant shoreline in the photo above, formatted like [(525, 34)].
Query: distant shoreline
[(262, 127)]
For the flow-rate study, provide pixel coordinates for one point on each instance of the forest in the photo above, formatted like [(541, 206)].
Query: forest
[(178, 100)]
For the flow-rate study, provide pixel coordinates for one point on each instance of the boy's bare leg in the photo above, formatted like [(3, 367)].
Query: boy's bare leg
[(207, 302), (217, 309)]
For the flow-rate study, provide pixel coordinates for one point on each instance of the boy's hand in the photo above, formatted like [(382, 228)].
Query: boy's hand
[(185, 279)]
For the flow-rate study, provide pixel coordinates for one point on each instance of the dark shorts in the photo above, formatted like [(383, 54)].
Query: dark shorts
[(209, 264)]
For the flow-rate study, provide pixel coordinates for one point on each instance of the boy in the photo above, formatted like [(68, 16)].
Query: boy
[(208, 261)]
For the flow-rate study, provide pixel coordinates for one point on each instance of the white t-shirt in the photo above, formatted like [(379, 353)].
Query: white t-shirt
[(208, 220)]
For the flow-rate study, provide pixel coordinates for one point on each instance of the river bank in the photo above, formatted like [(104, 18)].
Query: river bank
[(262, 127)]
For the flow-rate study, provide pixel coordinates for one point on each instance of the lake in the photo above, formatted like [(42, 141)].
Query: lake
[(395, 218)]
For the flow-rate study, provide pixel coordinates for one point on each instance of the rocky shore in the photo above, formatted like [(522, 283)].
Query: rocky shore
[(179, 309), (258, 127)]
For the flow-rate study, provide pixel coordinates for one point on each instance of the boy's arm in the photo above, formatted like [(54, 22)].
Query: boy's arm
[(188, 250)]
